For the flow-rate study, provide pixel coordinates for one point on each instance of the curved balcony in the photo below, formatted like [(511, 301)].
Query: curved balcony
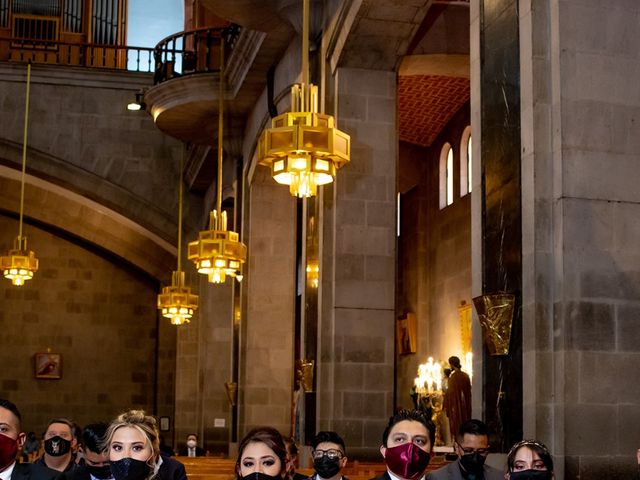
[(184, 99)]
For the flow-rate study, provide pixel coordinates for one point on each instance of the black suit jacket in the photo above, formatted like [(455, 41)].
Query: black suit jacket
[(184, 452), (81, 472), (171, 469), (384, 476), (33, 471)]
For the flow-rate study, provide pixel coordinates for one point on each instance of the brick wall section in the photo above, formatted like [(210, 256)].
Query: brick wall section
[(101, 317)]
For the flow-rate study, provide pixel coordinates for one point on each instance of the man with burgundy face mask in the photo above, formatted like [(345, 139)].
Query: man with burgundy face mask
[(11, 440), (407, 442), (329, 456), (472, 447), (59, 446)]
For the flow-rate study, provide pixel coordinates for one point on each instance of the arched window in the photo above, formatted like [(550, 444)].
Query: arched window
[(465, 162), (446, 175)]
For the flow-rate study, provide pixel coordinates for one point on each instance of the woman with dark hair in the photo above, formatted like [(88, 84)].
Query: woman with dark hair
[(529, 460), (262, 455)]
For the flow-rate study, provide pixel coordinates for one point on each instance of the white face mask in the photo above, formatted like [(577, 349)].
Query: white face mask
[(191, 443)]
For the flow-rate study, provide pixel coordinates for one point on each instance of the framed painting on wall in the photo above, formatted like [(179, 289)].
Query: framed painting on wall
[(48, 365)]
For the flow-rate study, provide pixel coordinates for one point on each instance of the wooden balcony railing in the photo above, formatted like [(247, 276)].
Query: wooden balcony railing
[(192, 52), (137, 59)]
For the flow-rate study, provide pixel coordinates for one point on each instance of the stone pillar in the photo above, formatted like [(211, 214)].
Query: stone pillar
[(267, 329), (203, 366), (356, 326), (580, 224), (501, 209)]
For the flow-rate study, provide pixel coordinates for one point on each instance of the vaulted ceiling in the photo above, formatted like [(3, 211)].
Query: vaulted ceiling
[(433, 78)]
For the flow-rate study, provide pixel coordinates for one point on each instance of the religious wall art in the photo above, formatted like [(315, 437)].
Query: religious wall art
[(48, 365), (407, 334)]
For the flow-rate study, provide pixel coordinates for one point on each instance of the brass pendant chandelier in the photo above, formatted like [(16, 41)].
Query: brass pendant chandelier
[(20, 263), (176, 302), (303, 147), (218, 252)]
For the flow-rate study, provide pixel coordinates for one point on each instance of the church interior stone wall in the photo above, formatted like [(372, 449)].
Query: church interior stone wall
[(99, 314), (434, 266)]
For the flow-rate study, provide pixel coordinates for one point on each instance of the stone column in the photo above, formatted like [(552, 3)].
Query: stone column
[(356, 326), (267, 329), (203, 366), (580, 177)]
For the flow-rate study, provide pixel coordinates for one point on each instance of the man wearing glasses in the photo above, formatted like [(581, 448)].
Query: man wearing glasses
[(329, 456), (472, 447)]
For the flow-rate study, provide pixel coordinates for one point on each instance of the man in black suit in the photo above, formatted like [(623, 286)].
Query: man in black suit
[(95, 463), (472, 447), (407, 443), (11, 441), (192, 449)]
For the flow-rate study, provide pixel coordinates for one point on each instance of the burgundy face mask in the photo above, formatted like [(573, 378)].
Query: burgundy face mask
[(407, 460), (8, 451)]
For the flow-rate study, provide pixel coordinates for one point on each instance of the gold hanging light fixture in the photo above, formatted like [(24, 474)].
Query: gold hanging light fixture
[(176, 302), (304, 148), (218, 252), (20, 263)]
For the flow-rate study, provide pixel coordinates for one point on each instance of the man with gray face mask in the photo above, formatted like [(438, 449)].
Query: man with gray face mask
[(60, 445), (472, 447)]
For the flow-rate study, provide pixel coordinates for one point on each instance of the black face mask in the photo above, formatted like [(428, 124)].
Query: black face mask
[(260, 476), (530, 475), (130, 469), (102, 472), (57, 446), (472, 463), (326, 467)]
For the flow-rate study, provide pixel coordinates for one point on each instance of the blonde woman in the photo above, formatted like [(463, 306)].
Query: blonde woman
[(132, 443)]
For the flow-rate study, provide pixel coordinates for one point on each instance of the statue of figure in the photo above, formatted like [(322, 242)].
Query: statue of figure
[(457, 399)]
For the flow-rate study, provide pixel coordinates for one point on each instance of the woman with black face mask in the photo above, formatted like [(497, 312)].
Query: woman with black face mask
[(133, 446), (132, 443), (529, 460), (261, 455)]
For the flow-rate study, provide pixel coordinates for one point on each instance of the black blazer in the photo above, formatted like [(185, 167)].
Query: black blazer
[(81, 472), (384, 476), (33, 471), (171, 469), (184, 452)]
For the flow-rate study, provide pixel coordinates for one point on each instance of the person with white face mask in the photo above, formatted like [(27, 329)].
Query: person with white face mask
[(191, 448)]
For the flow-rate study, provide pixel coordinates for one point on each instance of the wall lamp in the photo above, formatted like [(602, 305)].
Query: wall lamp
[(138, 103)]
